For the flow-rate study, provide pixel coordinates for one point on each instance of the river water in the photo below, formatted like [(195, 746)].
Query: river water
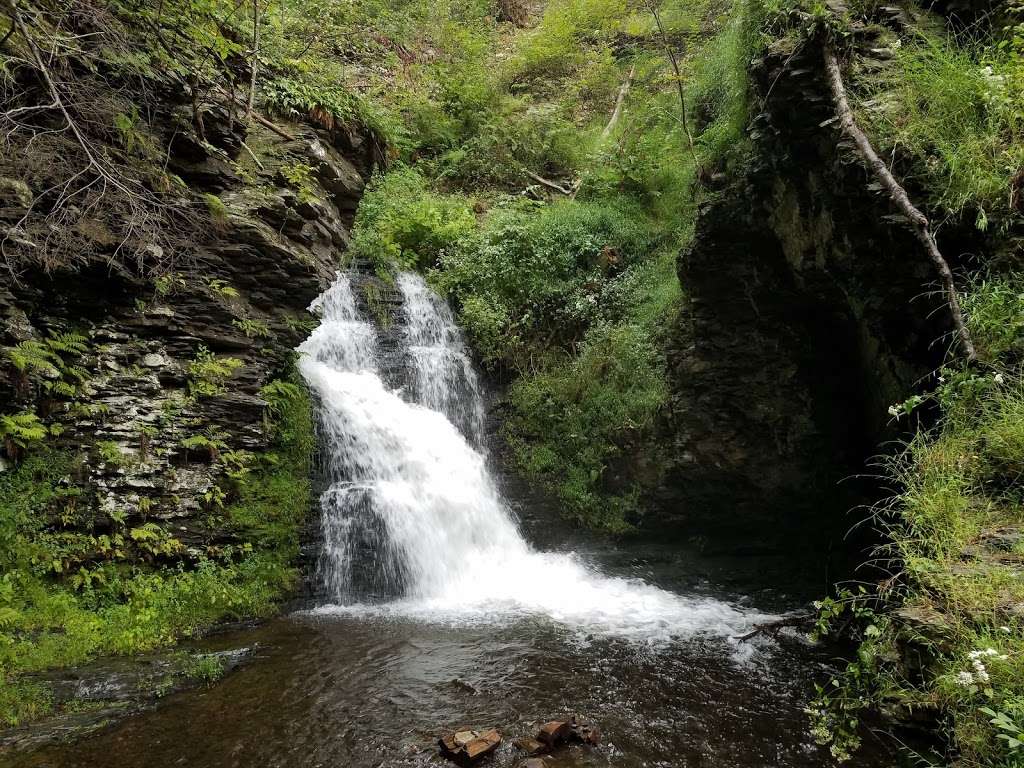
[(448, 595)]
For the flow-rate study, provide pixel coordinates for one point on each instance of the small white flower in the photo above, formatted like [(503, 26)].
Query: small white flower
[(894, 411), (965, 679), (942, 379), (980, 672), (998, 378)]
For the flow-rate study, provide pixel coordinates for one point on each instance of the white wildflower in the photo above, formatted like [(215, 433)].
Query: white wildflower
[(965, 679), (942, 379), (894, 411), (980, 672), (998, 378)]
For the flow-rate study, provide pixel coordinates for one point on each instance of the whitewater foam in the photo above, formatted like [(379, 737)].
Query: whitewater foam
[(413, 514)]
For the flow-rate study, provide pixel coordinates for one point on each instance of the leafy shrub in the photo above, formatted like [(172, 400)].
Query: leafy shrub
[(401, 221), (536, 272), (571, 420)]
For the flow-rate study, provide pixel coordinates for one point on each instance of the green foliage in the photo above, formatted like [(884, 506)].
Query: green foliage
[(21, 431), (957, 107), (216, 209), (401, 221), (299, 176), (535, 273), (952, 602), (208, 373)]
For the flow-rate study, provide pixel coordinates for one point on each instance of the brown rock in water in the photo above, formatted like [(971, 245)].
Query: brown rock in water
[(467, 747), (534, 762), (584, 732), (554, 733), (531, 747)]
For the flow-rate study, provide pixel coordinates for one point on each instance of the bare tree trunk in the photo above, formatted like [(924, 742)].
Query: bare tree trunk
[(255, 57), (679, 80), (619, 102), (919, 222)]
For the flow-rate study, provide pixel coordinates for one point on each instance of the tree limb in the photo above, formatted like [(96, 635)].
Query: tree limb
[(255, 57), (898, 195), (772, 627), (620, 100), (679, 80), (549, 184)]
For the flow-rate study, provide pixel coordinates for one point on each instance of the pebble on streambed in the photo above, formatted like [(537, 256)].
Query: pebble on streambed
[(467, 746)]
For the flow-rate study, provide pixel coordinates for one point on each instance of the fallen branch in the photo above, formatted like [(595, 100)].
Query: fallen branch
[(919, 222), (773, 627), (253, 156), (549, 184), (620, 100), (255, 58)]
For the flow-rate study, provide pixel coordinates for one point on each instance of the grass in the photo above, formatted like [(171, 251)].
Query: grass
[(955, 107), (956, 530), (55, 612)]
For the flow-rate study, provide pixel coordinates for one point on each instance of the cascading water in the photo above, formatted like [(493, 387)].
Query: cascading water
[(413, 522)]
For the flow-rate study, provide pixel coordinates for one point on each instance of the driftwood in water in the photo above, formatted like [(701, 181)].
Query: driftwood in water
[(919, 222), (772, 627)]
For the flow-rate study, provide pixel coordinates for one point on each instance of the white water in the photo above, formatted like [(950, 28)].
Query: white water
[(413, 523)]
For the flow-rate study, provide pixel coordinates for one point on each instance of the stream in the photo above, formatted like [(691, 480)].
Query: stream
[(447, 594)]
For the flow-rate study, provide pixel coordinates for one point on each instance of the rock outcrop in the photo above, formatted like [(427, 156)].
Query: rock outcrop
[(810, 309), (172, 371)]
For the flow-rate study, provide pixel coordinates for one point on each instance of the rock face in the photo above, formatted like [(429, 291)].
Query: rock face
[(807, 315), (172, 370)]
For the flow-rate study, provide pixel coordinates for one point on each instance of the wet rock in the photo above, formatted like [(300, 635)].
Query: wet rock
[(467, 746), (585, 733), (531, 746), (534, 762), (554, 733)]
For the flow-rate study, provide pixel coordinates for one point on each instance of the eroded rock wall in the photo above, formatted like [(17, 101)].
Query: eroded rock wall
[(262, 253), (810, 310)]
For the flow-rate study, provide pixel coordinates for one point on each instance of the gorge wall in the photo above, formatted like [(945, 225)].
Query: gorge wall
[(810, 310)]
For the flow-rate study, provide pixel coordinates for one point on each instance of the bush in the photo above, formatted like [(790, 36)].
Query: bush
[(538, 271), (571, 420), (401, 221)]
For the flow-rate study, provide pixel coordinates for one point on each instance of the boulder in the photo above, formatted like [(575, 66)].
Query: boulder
[(554, 733), (531, 747)]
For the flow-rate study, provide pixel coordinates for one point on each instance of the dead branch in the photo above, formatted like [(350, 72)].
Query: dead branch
[(679, 79), (620, 100), (773, 627), (549, 184), (898, 195), (255, 57)]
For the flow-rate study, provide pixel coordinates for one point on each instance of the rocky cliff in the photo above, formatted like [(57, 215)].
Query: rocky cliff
[(811, 309)]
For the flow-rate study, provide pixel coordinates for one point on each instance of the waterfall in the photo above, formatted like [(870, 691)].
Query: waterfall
[(413, 522)]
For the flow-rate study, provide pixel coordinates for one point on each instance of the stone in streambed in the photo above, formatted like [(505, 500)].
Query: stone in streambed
[(531, 747), (554, 733), (534, 762), (467, 747)]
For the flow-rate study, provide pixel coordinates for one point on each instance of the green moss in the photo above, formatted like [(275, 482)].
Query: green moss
[(52, 614)]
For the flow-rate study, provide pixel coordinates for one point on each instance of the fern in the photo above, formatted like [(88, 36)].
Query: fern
[(34, 357), (21, 430)]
